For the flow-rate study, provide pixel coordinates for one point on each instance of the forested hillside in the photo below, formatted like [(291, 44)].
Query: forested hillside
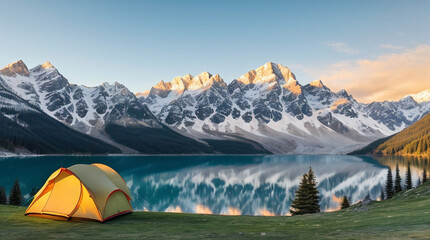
[(414, 140)]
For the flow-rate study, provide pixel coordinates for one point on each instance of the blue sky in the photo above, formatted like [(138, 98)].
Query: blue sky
[(139, 43)]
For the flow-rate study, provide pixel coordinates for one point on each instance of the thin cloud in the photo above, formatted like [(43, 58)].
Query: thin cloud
[(390, 47), (388, 77), (341, 47)]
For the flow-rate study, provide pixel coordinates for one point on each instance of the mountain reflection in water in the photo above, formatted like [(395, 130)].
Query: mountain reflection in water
[(234, 185)]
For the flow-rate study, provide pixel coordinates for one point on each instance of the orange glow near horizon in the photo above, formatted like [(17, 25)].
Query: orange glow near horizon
[(234, 211), (266, 213), (176, 209), (392, 76), (201, 209)]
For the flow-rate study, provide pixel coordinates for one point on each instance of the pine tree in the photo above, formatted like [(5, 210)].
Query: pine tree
[(389, 184), (298, 206), (398, 181), (306, 198), (382, 194), (345, 203), (424, 176), (408, 177), (15, 196), (313, 192), (3, 198)]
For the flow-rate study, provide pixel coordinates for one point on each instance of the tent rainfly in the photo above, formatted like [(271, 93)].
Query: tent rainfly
[(93, 191)]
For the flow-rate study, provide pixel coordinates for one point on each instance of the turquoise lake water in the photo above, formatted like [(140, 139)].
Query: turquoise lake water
[(247, 185)]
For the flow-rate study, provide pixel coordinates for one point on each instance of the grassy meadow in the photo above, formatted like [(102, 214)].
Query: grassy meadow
[(406, 216)]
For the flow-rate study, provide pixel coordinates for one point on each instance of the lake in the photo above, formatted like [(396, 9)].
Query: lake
[(235, 185)]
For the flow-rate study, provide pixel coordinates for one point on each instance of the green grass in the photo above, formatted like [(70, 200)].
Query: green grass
[(407, 216)]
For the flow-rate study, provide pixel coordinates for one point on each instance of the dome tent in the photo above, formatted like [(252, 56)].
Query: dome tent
[(93, 191)]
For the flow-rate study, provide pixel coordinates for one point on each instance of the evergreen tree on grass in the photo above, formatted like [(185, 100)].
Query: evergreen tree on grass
[(306, 198), (424, 176), (345, 203), (3, 198), (313, 192), (15, 196), (398, 181), (408, 177), (389, 184), (382, 194)]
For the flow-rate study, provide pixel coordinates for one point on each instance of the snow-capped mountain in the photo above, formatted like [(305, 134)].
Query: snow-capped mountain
[(86, 109), (111, 113), (26, 128), (265, 110), (83, 108), (269, 106)]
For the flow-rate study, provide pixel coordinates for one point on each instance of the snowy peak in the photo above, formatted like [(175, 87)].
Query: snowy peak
[(317, 87), (317, 83), (269, 72), (205, 80), (47, 65), (199, 81), (180, 84), (14, 69), (421, 97), (161, 85), (187, 78), (44, 69)]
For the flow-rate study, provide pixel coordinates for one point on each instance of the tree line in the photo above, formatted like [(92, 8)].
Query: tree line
[(306, 199), (15, 196), (393, 186)]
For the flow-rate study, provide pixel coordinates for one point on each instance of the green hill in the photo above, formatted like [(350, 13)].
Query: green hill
[(413, 140)]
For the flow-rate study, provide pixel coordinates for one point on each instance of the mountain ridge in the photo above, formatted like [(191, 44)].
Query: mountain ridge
[(105, 112), (266, 106), (256, 104)]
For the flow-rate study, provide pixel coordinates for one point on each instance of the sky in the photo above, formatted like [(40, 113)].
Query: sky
[(376, 50)]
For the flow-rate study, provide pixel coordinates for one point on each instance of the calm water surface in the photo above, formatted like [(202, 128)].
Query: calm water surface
[(247, 185)]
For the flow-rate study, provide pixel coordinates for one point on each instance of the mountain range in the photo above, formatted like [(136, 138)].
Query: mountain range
[(264, 111)]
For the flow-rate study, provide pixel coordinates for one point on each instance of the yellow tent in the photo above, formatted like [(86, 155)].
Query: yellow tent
[(93, 191)]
